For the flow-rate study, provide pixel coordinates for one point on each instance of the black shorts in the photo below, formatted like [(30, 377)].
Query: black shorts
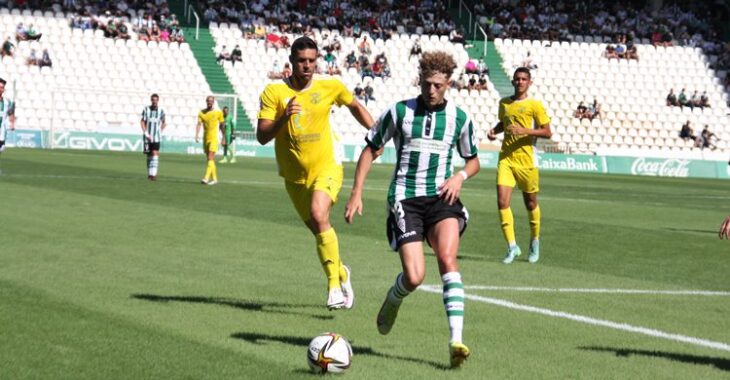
[(410, 219), (151, 146)]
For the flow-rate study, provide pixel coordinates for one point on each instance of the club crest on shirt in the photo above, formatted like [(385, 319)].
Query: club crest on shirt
[(315, 98)]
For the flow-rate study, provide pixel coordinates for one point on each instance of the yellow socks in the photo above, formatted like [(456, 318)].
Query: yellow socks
[(508, 222), (214, 170), (534, 216), (328, 250), (209, 169)]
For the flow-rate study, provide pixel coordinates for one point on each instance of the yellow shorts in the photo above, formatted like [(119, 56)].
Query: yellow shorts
[(329, 181), (210, 145), (527, 179)]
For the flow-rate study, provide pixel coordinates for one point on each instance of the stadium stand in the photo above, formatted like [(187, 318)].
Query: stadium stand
[(251, 77), (98, 84), (633, 93)]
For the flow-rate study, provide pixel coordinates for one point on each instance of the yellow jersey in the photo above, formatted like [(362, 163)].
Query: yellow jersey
[(210, 120), (306, 145), (528, 113)]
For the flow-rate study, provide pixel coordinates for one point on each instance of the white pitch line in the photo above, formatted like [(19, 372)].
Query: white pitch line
[(591, 321), (600, 290)]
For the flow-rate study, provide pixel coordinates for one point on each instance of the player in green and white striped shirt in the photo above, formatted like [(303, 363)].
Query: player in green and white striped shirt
[(152, 123), (423, 198), (7, 115)]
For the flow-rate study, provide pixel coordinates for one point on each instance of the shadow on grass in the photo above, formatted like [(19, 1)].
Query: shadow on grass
[(707, 232), (265, 307), (719, 363), (256, 338), (463, 257)]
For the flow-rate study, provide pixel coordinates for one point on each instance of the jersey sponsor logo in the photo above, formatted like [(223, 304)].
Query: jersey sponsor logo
[(428, 145), (665, 168)]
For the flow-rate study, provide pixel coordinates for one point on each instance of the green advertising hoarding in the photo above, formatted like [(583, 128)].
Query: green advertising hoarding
[(644, 166)]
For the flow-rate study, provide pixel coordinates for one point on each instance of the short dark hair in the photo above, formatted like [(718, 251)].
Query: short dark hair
[(2, 81), (225, 108), (154, 96), (303, 43), (523, 70)]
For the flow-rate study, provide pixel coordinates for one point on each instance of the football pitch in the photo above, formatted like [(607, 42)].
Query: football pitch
[(105, 275)]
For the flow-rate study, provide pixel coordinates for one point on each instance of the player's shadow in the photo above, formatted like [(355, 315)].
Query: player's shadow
[(249, 305), (707, 232), (257, 338), (463, 257), (719, 363)]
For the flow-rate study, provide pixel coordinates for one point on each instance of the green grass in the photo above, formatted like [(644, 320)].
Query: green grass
[(105, 275)]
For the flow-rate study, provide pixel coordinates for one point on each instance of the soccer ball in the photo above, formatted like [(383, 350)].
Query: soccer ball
[(329, 353)]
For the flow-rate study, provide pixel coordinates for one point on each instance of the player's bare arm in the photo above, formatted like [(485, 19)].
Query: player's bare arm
[(143, 124), (267, 129), (451, 188), (361, 114), (197, 131), (492, 133), (544, 131), (364, 163)]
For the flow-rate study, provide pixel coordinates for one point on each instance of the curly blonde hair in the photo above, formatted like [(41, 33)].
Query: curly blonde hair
[(433, 62)]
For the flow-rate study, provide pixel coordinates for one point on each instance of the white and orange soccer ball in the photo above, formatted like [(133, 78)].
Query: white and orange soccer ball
[(329, 353)]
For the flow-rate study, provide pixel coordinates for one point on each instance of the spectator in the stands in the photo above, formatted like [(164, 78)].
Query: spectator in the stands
[(32, 59), (236, 55), (471, 67), (32, 34), (366, 71), (20, 32), (687, 133), (672, 98), (482, 84), (621, 46), (365, 47), (45, 59), (596, 110), (276, 71), (8, 49), (351, 60), (223, 55), (177, 35), (610, 52), (482, 67), (704, 100), (473, 85), (706, 138), (368, 93), (631, 51), (582, 112), (683, 100), (286, 72), (695, 99), (164, 35), (460, 83), (456, 36), (529, 62), (416, 49), (360, 93)]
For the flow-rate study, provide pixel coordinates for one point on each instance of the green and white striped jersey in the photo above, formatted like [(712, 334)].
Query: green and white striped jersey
[(154, 119), (423, 141), (7, 108)]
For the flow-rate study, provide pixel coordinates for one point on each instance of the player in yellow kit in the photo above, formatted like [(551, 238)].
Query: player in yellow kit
[(522, 119), (210, 119), (296, 112)]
